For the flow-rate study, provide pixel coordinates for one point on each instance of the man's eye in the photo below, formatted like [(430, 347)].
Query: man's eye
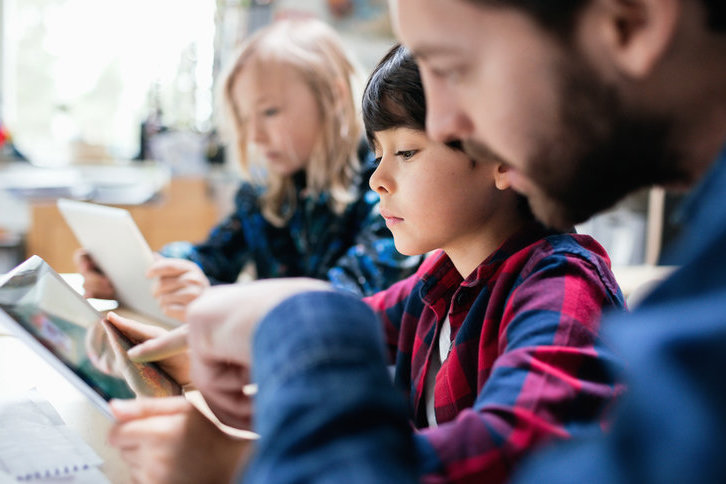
[(447, 74), (406, 154), (440, 73)]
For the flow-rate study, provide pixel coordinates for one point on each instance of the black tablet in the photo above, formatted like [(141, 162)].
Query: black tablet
[(64, 329)]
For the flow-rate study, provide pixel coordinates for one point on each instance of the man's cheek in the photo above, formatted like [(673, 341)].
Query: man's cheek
[(519, 182)]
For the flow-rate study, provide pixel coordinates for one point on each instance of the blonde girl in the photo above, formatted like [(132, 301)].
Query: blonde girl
[(304, 207)]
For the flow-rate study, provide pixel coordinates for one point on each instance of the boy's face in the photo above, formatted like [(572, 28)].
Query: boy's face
[(432, 196), (281, 115), (495, 79)]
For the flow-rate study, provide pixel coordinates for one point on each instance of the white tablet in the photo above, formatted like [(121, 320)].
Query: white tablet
[(117, 247), (65, 330)]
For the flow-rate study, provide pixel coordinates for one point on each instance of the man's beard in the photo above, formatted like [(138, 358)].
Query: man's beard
[(603, 152)]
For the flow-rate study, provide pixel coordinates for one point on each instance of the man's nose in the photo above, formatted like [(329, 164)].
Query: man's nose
[(445, 121)]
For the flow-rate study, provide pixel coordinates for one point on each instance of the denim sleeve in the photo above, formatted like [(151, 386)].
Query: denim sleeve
[(326, 409), (671, 424)]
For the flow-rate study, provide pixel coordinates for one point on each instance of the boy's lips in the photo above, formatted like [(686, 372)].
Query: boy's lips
[(390, 218)]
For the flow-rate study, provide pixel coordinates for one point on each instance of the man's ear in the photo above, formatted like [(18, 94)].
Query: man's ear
[(501, 177), (634, 34)]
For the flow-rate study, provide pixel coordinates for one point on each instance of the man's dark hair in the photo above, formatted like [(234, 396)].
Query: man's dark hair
[(559, 16), (394, 95)]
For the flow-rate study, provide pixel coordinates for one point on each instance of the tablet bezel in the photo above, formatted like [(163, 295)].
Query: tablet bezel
[(94, 395)]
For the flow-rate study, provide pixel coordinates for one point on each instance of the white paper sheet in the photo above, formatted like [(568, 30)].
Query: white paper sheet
[(35, 443)]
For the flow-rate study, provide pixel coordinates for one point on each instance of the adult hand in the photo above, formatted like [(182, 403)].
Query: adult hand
[(147, 337), (178, 282), (95, 283), (167, 440), (221, 325)]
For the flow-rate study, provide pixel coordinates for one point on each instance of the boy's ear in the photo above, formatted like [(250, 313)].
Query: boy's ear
[(501, 176), (631, 35)]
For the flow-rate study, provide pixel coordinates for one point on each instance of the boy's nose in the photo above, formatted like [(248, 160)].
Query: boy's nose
[(380, 183)]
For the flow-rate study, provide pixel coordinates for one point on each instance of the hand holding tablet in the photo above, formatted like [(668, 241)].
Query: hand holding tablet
[(117, 247), (64, 329)]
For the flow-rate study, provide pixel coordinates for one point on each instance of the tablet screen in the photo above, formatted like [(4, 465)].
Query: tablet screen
[(51, 312)]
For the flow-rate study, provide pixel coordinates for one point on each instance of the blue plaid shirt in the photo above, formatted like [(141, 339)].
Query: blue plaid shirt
[(353, 250)]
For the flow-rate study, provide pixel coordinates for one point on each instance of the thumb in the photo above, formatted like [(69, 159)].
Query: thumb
[(134, 330), (161, 347)]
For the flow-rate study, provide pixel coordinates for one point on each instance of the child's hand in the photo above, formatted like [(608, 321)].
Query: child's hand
[(95, 283), (178, 282), (165, 440), (176, 366)]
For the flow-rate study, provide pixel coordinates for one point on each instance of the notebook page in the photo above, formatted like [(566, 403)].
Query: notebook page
[(35, 443), (6, 478)]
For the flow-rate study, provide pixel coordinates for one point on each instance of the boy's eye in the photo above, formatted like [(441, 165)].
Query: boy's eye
[(377, 160), (406, 154), (270, 111)]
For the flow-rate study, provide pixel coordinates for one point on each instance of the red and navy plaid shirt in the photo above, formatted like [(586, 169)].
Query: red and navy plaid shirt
[(526, 363)]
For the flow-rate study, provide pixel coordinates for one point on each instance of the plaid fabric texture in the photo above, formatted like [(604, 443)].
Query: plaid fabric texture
[(526, 362)]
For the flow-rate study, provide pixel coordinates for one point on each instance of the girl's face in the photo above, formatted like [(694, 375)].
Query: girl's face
[(432, 196), (281, 115)]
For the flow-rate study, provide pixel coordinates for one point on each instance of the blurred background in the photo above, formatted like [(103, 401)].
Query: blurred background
[(113, 102)]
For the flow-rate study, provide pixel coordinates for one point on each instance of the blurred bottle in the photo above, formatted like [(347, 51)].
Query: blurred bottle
[(150, 127)]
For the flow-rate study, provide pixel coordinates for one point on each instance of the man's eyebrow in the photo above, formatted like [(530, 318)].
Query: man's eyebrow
[(426, 51)]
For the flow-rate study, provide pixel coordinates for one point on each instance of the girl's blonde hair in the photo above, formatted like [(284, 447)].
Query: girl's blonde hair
[(315, 51)]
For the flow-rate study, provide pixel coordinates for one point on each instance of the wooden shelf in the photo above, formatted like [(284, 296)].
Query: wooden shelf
[(183, 211)]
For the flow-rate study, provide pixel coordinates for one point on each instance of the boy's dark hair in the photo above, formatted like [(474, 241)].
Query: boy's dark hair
[(559, 16), (394, 98), (394, 95)]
